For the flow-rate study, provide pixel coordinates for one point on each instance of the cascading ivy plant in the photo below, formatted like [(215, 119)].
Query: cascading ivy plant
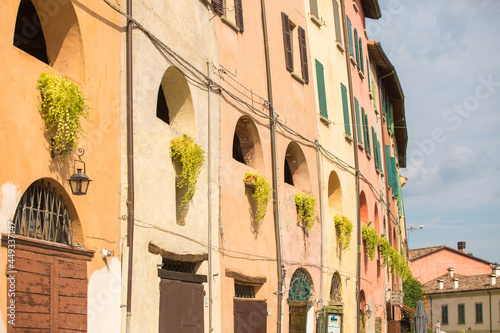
[(61, 106), (261, 193), (306, 208), (344, 225), (191, 158), (371, 238)]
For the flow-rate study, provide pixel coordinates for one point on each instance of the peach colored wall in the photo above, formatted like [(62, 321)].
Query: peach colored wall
[(436, 264), (25, 144)]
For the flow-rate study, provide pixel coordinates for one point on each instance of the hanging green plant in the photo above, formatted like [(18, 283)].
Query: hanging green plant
[(61, 106), (261, 193), (344, 225), (385, 251), (306, 209), (191, 158), (371, 238)]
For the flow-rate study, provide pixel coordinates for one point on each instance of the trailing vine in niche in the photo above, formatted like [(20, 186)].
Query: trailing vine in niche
[(371, 238), (191, 158), (305, 209), (261, 193), (61, 106), (344, 225)]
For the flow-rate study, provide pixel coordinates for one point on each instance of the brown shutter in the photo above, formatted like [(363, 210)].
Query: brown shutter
[(287, 41), (303, 54), (218, 6), (238, 5)]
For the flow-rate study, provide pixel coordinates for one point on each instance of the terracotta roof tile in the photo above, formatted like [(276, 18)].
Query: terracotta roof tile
[(415, 253), (465, 283)]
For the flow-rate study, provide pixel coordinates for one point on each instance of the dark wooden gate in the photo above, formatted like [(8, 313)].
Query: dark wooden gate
[(250, 316), (393, 326), (298, 319), (181, 307)]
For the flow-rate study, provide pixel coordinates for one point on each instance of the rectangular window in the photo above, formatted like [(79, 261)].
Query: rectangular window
[(314, 7), (228, 8), (444, 314), (345, 107), (338, 31), (366, 133), (461, 313), (358, 121), (479, 312), (349, 33), (320, 80), (243, 291), (362, 64), (291, 31), (368, 72)]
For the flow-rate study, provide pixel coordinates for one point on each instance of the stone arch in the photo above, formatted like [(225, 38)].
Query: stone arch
[(247, 147), (175, 104), (334, 192), (301, 286), (296, 165), (336, 288), (46, 212), (363, 208), (50, 32)]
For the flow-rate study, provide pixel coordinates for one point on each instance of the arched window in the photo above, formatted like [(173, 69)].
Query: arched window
[(301, 286), (336, 288), (28, 35), (334, 192), (363, 208), (296, 172), (247, 147), (376, 220), (174, 102), (42, 214)]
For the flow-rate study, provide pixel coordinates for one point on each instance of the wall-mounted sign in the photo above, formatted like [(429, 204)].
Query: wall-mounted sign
[(334, 322)]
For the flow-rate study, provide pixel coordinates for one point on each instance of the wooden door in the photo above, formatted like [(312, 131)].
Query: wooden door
[(298, 319), (250, 316), (181, 307)]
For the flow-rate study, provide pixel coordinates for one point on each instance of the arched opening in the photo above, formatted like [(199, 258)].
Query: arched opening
[(363, 208), (362, 312), (376, 221), (174, 103), (334, 192), (51, 34), (336, 289), (301, 292), (247, 147), (295, 162)]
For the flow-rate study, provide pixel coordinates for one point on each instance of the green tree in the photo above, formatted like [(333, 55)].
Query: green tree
[(413, 292)]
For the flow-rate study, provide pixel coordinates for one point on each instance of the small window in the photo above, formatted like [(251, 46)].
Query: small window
[(479, 312), (237, 153), (314, 7), (243, 290), (231, 12), (162, 107), (349, 33), (179, 266), (461, 313), (444, 314), (336, 13), (345, 108), (295, 53)]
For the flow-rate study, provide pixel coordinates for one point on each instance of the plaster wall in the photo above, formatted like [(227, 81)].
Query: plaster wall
[(436, 264), (26, 145), (186, 28)]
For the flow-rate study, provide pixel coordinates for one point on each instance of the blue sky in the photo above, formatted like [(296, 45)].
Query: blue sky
[(447, 56)]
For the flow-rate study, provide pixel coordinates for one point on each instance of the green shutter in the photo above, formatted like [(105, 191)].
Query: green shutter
[(380, 167), (375, 155), (366, 132), (349, 33), (368, 71), (357, 46), (361, 58), (320, 79), (358, 120), (391, 110), (389, 165), (345, 106)]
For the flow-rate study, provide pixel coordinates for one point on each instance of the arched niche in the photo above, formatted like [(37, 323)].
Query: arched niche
[(174, 103), (334, 192), (363, 208), (376, 219), (336, 289), (46, 212), (247, 147), (50, 32), (296, 169)]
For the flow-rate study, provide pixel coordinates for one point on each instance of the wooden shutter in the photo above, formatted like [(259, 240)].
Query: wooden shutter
[(366, 132), (238, 5), (287, 41), (356, 45), (345, 107), (338, 31), (358, 120), (320, 78), (250, 316), (349, 33), (368, 72), (314, 7), (375, 149), (218, 6), (303, 54), (361, 58)]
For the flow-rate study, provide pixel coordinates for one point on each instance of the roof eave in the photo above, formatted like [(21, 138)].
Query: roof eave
[(371, 9)]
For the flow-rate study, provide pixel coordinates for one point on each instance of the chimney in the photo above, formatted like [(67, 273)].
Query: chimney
[(440, 284), (496, 270), (451, 271), (455, 283), (461, 246), (493, 279)]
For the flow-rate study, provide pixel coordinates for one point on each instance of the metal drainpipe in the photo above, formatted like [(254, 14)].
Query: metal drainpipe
[(276, 203), (130, 164), (323, 236), (209, 171), (489, 293), (356, 162)]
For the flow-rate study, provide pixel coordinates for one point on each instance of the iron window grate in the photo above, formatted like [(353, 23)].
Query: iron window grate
[(244, 291), (179, 266)]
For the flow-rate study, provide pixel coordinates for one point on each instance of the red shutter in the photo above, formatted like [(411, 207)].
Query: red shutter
[(218, 6), (303, 54), (287, 41), (238, 5)]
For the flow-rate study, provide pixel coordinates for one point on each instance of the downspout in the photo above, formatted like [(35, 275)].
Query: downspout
[(356, 163), (491, 326), (130, 164), (323, 241), (209, 195), (276, 203)]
